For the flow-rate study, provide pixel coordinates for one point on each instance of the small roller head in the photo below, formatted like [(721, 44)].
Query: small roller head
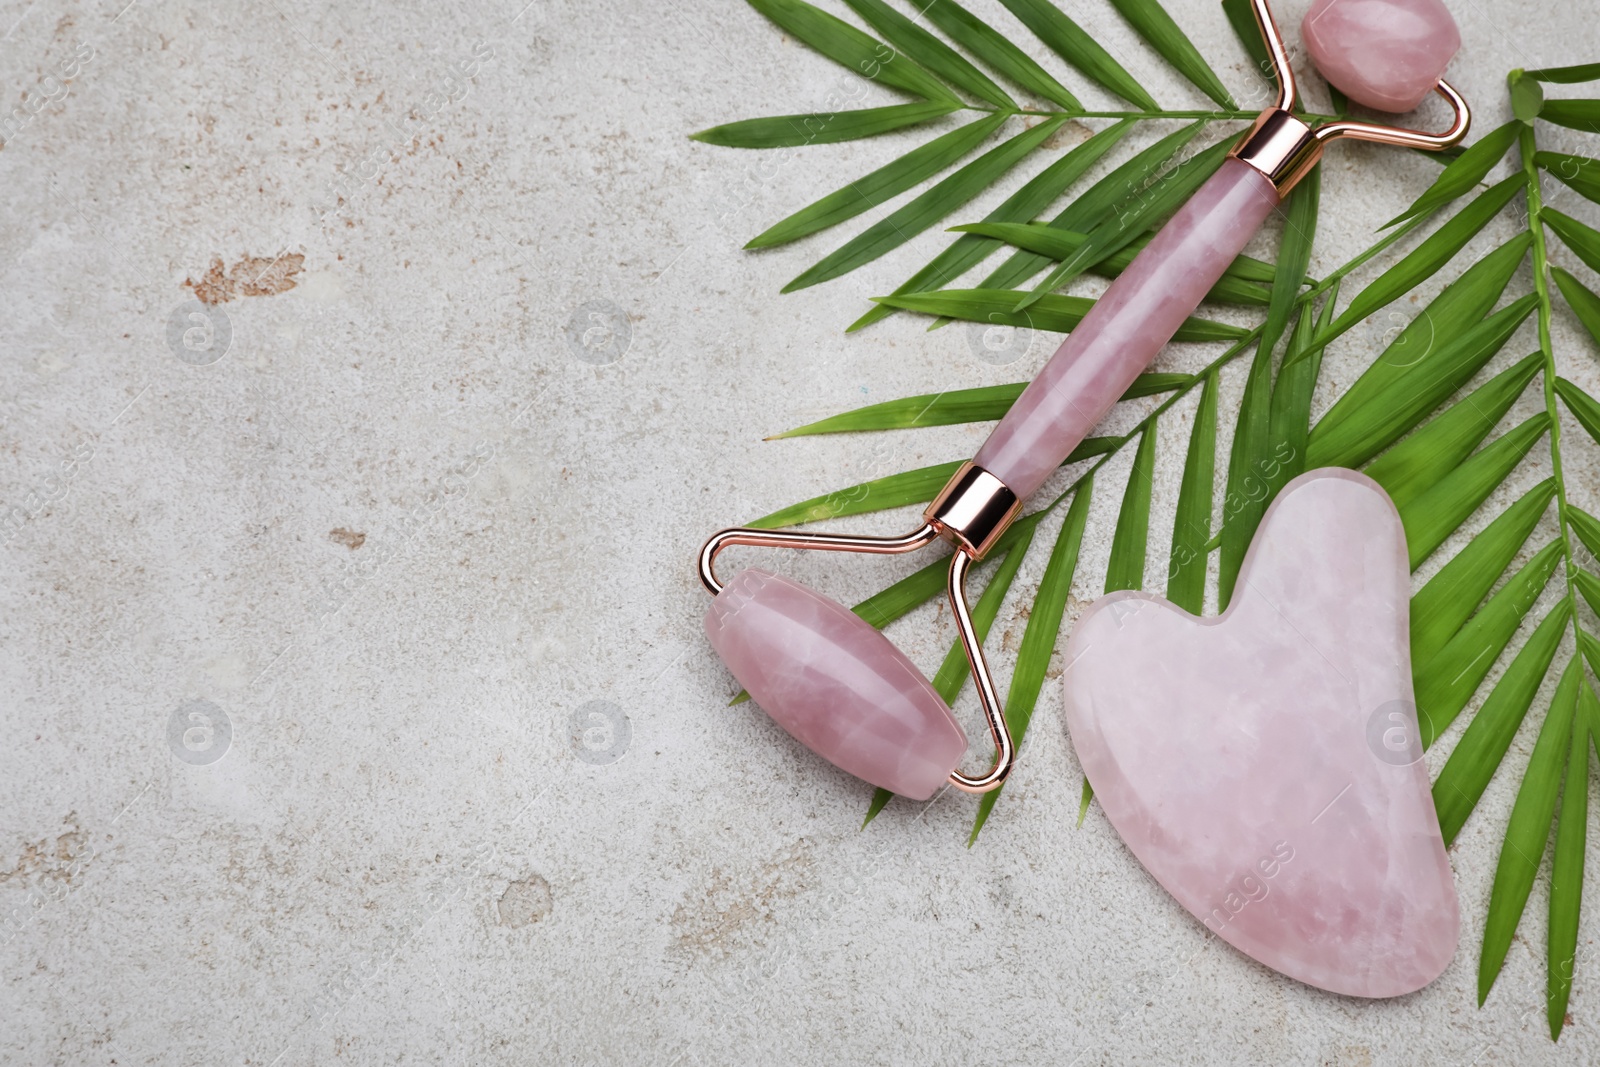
[(1383, 54), (835, 683)]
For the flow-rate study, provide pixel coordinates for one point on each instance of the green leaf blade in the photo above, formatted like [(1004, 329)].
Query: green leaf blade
[(1447, 681), (1463, 173), (1582, 239), (983, 41), (1191, 521), (850, 48), (1068, 40), (1435, 515), (1581, 299), (932, 53), (793, 131), (896, 490), (1039, 638), (1441, 607), (953, 406), (1130, 539), (1574, 114), (1488, 737), (1581, 174), (968, 250), (1152, 22), (1528, 832), (927, 208), (883, 184), (1566, 874), (1419, 461), (1583, 72), (1053, 313)]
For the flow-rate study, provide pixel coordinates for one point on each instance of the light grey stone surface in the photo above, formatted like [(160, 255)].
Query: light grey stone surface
[(405, 538)]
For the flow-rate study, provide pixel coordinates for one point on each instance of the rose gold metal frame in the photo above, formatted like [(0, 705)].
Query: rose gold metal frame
[(1284, 148), (972, 511)]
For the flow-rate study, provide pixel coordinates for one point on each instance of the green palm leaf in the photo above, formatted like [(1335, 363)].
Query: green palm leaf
[(852, 49), (926, 49), (1440, 454), (1032, 198), (982, 404), (1152, 22), (1066, 39), (792, 131), (1191, 523), (1583, 302), (1483, 746), (881, 185), (1130, 540), (1529, 830), (983, 41), (928, 207), (1052, 313), (1441, 607)]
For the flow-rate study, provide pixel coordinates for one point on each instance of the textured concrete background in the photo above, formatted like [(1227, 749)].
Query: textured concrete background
[(302, 595)]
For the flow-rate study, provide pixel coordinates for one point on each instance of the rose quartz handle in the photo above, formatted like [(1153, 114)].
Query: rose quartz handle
[(1135, 318)]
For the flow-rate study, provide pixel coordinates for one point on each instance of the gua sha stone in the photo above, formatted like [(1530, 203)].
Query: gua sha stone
[(1385, 54), (1264, 765)]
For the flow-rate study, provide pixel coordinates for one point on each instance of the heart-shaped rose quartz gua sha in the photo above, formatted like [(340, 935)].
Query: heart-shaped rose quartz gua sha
[(1385, 54), (1263, 765)]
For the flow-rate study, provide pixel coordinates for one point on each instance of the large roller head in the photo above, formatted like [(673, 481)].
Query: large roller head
[(1384, 54)]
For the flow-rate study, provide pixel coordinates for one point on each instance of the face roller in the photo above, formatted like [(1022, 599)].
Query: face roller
[(838, 685)]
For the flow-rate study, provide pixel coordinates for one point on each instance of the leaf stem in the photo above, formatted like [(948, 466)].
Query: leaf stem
[(1209, 115), (1541, 288)]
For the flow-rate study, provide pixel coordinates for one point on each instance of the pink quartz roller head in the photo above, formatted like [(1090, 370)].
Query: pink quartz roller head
[(837, 684), (1384, 54)]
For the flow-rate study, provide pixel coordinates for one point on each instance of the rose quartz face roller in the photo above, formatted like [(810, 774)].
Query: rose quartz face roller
[(837, 684)]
